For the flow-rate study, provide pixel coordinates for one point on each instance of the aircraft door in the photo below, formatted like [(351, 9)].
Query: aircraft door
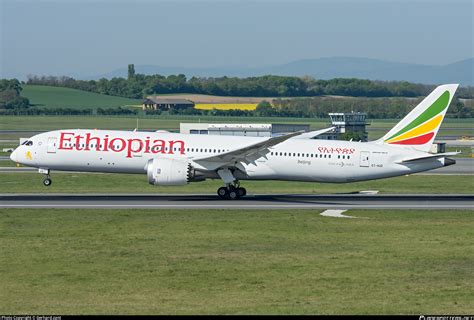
[(52, 145), (364, 158)]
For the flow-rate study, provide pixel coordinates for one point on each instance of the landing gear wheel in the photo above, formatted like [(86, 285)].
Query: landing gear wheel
[(222, 192), (47, 182), (233, 195), (241, 192)]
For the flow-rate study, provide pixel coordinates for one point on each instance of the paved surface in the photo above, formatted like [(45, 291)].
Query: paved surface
[(207, 201)]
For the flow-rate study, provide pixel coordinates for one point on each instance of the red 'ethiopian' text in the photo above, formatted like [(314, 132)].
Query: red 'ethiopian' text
[(86, 142)]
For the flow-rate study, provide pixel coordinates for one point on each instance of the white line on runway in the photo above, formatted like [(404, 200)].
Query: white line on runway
[(335, 214)]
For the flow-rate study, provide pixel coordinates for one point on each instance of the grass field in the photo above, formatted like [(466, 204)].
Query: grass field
[(47, 96), (205, 98), (128, 183), (235, 262)]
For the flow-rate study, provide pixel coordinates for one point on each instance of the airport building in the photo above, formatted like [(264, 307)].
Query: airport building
[(343, 122), (157, 103), (235, 129)]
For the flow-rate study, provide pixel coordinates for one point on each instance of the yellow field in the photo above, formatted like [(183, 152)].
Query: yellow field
[(226, 106)]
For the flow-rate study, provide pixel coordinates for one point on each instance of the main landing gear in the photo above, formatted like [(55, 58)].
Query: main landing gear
[(232, 189), (232, 192), (47, 180)]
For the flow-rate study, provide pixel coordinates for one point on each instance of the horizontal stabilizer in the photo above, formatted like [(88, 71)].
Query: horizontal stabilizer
[(431, 156)]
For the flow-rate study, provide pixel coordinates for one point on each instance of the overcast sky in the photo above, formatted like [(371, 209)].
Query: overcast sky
[(93, 37)]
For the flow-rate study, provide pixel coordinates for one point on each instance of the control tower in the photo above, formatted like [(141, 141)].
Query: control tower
[(347, 122)]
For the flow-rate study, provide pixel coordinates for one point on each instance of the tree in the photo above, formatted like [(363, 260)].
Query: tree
[(10, 95), (265, 109), (12, 84), (131, 71)]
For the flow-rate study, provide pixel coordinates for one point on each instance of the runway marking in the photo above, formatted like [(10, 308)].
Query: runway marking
[(369, 192), (335, 214), (223, 206)]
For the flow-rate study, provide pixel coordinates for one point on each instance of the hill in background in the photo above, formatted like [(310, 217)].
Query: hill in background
[(329, 68), (50, 97)]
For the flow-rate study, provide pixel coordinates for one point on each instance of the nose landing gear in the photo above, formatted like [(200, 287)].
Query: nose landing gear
[(47, 180)]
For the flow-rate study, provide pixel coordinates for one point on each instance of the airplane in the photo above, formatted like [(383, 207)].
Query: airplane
[(178, 159)]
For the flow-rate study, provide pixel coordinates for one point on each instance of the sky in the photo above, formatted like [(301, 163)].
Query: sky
[(71, 37)]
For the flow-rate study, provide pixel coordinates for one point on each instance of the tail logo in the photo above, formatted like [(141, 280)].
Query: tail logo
[(422, 129)]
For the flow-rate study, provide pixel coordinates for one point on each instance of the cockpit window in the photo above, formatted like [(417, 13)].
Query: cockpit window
[(24, 142), (29, 143)]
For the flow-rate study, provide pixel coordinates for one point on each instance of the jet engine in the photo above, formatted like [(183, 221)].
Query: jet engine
[(170, 171)]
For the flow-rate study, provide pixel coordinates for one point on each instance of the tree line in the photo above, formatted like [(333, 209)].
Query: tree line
[(139, 86)]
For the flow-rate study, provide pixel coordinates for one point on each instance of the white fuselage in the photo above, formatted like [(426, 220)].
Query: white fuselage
[(294, 159)]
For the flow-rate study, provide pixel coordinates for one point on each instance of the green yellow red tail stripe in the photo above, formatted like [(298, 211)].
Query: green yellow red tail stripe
[(422, 129)]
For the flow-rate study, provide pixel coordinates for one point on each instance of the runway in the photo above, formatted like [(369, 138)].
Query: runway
[(208, 201)]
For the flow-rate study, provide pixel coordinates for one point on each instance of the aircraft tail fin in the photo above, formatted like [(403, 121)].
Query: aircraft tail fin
[(419, 128)]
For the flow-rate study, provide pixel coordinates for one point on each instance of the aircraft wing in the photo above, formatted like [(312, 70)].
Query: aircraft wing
[(312, 134), (246, 154), (250, 153)]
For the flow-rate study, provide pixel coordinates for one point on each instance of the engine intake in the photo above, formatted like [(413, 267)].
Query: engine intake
[(169, 171)]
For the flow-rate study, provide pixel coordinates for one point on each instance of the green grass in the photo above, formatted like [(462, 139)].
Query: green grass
[(47, 96), (128, 183), (7, 163), (466, 152), (235, 262)]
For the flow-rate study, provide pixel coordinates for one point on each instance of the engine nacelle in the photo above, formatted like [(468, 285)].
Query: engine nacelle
[(169, 171)]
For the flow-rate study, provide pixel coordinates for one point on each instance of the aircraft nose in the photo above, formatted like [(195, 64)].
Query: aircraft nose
[(13, 156)]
